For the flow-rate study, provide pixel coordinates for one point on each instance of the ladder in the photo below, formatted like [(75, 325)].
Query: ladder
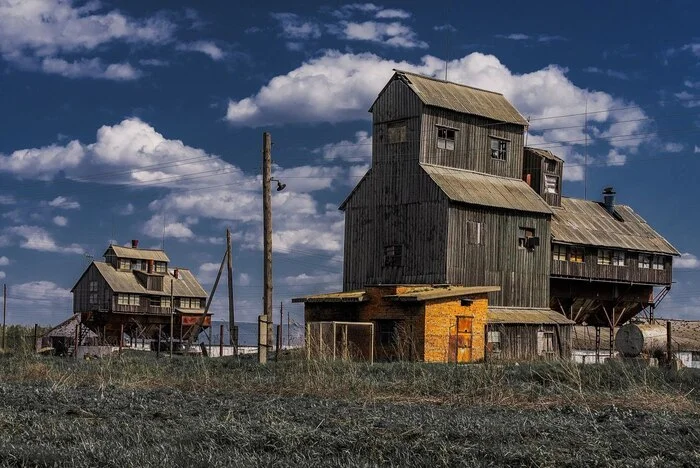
[(84, 333)]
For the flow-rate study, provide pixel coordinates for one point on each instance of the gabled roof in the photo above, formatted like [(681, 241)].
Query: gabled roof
[(476, 188), (589, 223), (527, 316), (543, 153), (352, 193), (139, 254), (66, 329), (461, 98), (126, 282)]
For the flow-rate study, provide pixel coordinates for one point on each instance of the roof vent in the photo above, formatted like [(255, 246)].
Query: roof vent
[(134, 243), (609, 199)]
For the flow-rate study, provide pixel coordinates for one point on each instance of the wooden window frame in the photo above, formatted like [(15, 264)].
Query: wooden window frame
[(501, 152), (619, 256), (475, 233), (525, 233), (557, 253), (605, 257), (161, 267), (547, 188), (446, 138), (550, 166), (93, 286), (124, 261), (574, 258), (644, 261), (657, 263), (388, 332)]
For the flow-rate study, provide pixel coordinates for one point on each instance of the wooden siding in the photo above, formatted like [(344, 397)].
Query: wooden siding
[(396, 205), (472, 143), (523, 274), (630, 273), (518, 342), (81, 292), (536, 167)]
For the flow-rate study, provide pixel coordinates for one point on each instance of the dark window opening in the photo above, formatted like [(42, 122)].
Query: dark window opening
[(388, 332), (527, 239), (551, 166), (393, 255)]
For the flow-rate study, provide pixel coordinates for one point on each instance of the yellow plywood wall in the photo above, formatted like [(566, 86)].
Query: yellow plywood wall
[(441, 323)]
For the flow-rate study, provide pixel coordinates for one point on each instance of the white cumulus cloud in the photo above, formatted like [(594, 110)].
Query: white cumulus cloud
[(686, 261), (208, 48), (60, 221), (64, 203), (4, 261), (393, 34), (38, 238)]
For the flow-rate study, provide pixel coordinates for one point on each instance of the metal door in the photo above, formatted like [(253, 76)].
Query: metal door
[(464, 339)]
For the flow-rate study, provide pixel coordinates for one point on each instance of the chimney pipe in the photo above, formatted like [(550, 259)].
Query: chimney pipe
[(134, 243), (150, 266), (609, 199), (176, 273)]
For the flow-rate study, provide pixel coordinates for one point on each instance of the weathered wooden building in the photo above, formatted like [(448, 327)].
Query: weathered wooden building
[(454, 197), (135, 289)]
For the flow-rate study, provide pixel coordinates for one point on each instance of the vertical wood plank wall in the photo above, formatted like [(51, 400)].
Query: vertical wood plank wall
[(472, 143), (81, 294), (522, 274)]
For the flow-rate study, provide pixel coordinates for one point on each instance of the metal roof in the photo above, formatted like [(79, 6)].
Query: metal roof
[(428, 293), (477, 188), (461, 98), (139, 254), (589, 223), (66, 329), (349, 296), (543, 153), (515, 315), (126, 282)]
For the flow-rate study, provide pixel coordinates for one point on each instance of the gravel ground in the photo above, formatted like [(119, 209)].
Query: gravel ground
[(48, 425)]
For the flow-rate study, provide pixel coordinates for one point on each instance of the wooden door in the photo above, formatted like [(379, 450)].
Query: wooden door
[(464, 339)]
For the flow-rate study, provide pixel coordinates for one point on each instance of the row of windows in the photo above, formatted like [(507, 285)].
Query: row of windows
[(573, 254), (163, 301), (142, 265)]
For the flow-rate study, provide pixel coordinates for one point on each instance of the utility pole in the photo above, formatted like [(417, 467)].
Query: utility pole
[(267, 244), (172, 311), (4, 313), (279, 333), (231, 318)]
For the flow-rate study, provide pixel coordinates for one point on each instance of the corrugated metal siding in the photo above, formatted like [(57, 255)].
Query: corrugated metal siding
[(462, 98), (485, 190), (472, 143), (589, 223), (523, 274)]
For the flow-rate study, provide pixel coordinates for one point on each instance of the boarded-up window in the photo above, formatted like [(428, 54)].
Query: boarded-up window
[(551, 184), (644, 261), (446, 138), (559, 252), (499, 148), (474, 233), (576, 254), (393, 255), (657, 263), (397, 132), (545, 343)]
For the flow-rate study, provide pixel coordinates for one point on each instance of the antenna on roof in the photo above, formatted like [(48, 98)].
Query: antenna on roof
[(447, 37), (585, 153)]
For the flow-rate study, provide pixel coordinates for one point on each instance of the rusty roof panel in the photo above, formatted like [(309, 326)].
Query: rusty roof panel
[(486, 190), (427, 293), (514, 315), (462, 98), (349, 296), (589, 223)]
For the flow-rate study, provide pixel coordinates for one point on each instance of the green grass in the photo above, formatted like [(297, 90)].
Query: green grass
[(135, 410)]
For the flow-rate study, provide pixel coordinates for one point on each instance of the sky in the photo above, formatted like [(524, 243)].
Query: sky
[(144, 120)]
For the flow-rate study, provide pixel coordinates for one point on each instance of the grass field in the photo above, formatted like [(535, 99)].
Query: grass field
[(135, 410)]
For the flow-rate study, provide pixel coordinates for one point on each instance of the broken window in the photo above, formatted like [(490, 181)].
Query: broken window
[(559, 252), (397, 132), (644, 261), (446, 138), (526, 238), (499, 148), (494, 341), (545, 343), (393, 255), (551, 166), (576, 254), (551, 184)]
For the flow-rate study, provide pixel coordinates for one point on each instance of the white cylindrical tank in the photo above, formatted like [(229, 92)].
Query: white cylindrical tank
[(634, 338)]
